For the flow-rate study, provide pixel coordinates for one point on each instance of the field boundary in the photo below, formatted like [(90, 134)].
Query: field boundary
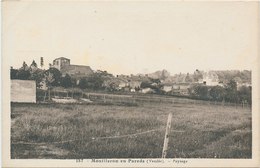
[(83, 97)]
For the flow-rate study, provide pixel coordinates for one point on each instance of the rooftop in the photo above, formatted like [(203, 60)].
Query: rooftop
[(61, 58)]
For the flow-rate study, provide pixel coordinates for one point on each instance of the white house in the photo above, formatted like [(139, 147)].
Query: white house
[(147, 90), (167, 88), (23, 91), (210, 79)]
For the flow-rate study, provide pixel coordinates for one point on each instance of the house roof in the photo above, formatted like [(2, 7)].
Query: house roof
[(76, 69), (61, 58)]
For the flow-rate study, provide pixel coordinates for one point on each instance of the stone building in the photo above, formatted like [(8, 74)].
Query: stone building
[(64, 66)]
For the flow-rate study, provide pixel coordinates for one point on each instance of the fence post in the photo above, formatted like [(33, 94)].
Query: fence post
[(49, 94), (166, 138), (44, 96)]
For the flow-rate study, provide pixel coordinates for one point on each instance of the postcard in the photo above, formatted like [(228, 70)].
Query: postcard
[(130, 83)]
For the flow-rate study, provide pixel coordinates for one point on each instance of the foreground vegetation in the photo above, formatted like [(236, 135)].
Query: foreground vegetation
[(198, 131)]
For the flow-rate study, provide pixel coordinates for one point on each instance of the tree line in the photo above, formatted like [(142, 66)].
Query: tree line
[(230, 92)]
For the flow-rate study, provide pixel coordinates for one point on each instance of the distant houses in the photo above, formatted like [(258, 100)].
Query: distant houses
[(210, 79), (177, 88), (168, 88), (63, 73)]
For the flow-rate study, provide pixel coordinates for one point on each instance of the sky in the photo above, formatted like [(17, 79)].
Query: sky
[(132, 37)]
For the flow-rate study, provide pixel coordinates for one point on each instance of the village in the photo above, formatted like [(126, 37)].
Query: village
[(205, 85)]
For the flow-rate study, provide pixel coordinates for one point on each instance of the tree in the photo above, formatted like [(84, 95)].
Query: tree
[(38, 76), (23, 74), (245, 94), (231, 92), (197, 75), (145, 84), (13, 73), (42, 63), (217, 93), (231, 85), (52, 76), (188, 79), (83, 83), (66, 81), (245, 76), (112, 87), (24, 66), (95, 82), (165, 74), (74, 82), (237, 79), (33, 64), (201, 92), (103, 74), (154, 84)]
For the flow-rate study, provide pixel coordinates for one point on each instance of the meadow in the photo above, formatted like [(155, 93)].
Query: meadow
[(129, 130)]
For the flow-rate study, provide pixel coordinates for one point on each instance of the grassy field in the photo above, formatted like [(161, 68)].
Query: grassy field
[(73, 131)]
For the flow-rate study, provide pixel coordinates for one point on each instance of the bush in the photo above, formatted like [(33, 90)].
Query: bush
[(201, 92), (217, 93), (66, 81)]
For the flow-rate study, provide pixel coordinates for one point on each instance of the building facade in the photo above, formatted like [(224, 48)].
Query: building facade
[(76, 71), (58, 63)]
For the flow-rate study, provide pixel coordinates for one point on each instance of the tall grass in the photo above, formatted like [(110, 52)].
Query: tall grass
[(209, 131)]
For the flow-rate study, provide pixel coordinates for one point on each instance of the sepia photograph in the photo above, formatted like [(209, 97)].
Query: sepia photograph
[(130, 83)]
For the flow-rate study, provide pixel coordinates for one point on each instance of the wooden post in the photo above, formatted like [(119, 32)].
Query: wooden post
[(44, 96), (49, 94), (166, 138)]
